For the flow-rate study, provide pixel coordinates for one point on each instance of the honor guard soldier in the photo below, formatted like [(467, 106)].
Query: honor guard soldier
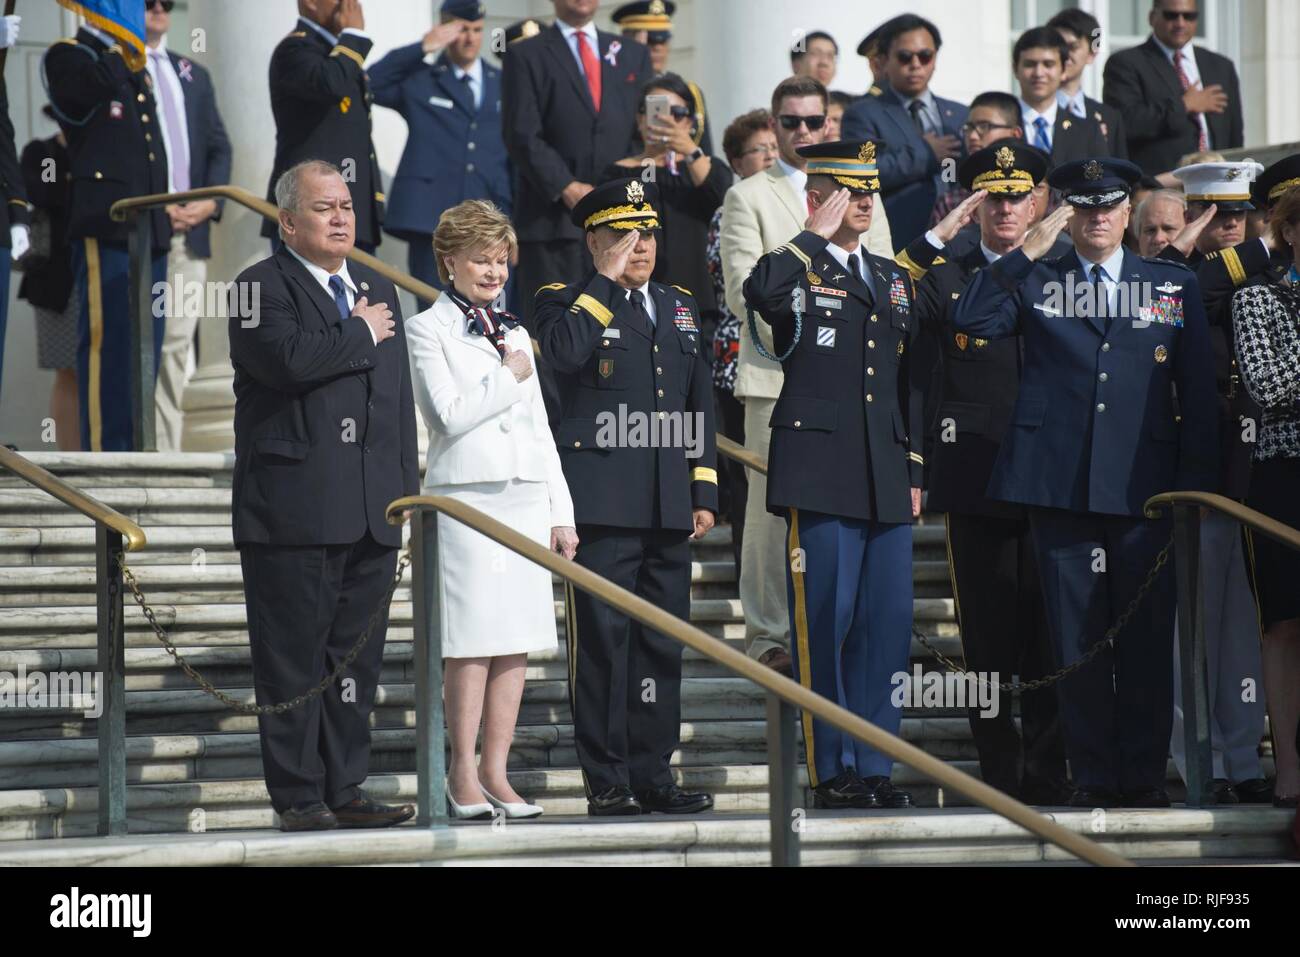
[(994, 574), (320, 98), (636, 440), (1108, 338), (845, 464), (103, 98), (651, 22)]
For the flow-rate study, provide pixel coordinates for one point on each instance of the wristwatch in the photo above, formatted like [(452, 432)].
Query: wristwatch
[(696, 153)]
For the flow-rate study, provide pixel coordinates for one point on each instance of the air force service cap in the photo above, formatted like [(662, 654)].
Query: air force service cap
[(470, 10), (852, 164), (1095, 183)]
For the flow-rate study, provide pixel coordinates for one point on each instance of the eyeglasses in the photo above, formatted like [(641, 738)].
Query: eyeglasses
[(1191, 16), (765, 148), (904, 57), (165, 4), (789, 122), (983, 128)]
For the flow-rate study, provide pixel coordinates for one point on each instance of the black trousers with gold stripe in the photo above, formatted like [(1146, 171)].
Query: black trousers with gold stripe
[(104, 321), (1003, 625), (625, 680)]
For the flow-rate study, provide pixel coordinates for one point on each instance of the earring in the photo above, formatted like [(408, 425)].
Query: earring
[(451, 277)]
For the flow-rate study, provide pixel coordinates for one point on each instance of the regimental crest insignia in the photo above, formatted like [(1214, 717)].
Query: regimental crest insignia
[(981, 343), (657, 8), (345, 104), (635, 192), (605, 367), (961, 340), (1233, 173), (900, 347), (1092, 170), (1006, 159), (1162, 354), (868, 153), (813, 278)]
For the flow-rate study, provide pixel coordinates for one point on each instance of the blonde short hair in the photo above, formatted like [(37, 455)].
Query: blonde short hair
[(472, 224), (1285, 212)]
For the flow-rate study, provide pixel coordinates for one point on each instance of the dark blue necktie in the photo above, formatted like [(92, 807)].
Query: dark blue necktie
[(639, 310), (340, 297)]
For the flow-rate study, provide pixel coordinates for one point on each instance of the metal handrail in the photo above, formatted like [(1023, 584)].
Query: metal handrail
[(1258, 521), (775, 684), (74, 498), (111, 528)]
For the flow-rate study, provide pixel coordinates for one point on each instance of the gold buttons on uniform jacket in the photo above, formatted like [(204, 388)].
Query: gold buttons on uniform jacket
[(1105, 347), (577, 445), (1101, 406), (148, 137), (870, 371), (139, 97), (875, 318), (869, 399), (151, 157), (661, 393), (1102, 377), (871, 343), (656, 348), (659, 370), (98, 175), (797, 423), (144, 117)]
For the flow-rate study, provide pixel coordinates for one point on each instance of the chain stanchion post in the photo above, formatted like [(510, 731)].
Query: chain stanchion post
[(781, 769), (430, 756), (111, 665), (140, 303), (1191, 653)]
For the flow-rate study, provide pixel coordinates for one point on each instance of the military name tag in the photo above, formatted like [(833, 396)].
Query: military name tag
[(445, 103), (827, 303), (613, 333), (827, 291), (826, 336)]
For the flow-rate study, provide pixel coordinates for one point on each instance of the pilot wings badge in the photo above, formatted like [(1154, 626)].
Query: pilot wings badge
[(1168, 287)]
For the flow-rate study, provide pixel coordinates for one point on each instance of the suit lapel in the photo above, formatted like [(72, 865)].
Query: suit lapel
[(665, 314), (1164, 68), (1133, 276), (457, 91), (826, 268), (459, 324), (563, 56), (1072, 264), (609, 78), (784, 190), (324, 302)]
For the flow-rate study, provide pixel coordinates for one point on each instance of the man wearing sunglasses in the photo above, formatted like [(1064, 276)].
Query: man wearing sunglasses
[(922, 130), (1176, 98)]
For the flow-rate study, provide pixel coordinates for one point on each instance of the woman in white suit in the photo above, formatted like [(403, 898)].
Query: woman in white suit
[(489, 447)]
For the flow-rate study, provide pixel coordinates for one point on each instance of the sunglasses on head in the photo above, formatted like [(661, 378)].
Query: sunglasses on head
[(1191, 16), (677, 112), (789, 122), (165, 4), (905, 57)]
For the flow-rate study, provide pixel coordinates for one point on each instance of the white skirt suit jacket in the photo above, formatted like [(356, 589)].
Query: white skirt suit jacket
[(489, 446)]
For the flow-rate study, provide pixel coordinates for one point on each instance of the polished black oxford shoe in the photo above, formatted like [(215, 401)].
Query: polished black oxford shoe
[(612, 802), (308, 816), (1093, 797), (671, 799), (844, 790), (885, 794)]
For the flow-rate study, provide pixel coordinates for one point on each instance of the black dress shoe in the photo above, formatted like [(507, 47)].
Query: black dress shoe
[(308, 816), (1145, 797), (613, 801), (1286, 800), (1254, 791), (361, 811), (885, 793), (1042, 793), (1093, 797), (844, 790), (1223, 792), (671, 799)]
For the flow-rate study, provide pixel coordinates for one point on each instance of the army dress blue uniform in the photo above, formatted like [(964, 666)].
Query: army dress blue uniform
[(1094, 433), (845, 453), (633, 356), (106, 109)]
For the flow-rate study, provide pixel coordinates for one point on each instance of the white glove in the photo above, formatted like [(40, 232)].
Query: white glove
[(9, 30), (20, 236)]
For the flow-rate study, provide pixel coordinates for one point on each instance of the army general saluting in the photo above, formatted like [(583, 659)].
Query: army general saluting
[(1110, 337), (844, 467)]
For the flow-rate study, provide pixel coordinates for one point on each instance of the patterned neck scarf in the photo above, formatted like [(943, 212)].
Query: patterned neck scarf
[(485, 321)]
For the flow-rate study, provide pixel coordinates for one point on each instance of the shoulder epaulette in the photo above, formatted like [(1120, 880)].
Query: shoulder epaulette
[(682, 289), (1167, 262), (874, 91), (552, 286), (297, 33), (1213, 255), (938, 261)]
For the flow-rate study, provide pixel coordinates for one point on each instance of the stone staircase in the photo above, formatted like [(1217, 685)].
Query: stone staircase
[(194, 768)]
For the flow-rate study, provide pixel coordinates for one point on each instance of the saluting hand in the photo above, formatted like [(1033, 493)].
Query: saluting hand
[(612, 261), (951, 224), (349, 16), (1041, 237), (441, 35), (826, 218), (378, 317), (1185, 241)]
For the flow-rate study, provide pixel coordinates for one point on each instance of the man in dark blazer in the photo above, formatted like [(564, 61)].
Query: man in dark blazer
[(324, 441), (1080, 29), (14, 217), (321, 101), (1038, 59), (103, 99), (450, 98), (919, 131), (1176, 98), (570, 97), (198, 154)]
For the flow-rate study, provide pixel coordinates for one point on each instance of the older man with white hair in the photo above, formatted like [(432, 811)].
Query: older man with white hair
[(1158, 220)]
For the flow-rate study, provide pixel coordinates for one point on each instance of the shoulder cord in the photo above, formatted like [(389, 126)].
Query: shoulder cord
[(796, 306)]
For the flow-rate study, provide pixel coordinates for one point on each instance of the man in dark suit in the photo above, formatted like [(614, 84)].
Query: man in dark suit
[(1038, 59), (14, 216), (198, 154), (450, 98), (570, 97), (321, 101), (920, 131), (1081, 32), (1109, 336), (990, 555), (324, 440), (103, 99), (1176, 98)]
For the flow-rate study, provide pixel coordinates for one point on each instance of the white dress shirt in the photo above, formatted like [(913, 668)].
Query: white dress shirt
[(798, 180), (930, 121), (1076, 104), (1193, 73), (167, 83), (475, 74), (570, 38), (841, 256), (989, 255), (1028, 115), (323, 277), (1110, 272)]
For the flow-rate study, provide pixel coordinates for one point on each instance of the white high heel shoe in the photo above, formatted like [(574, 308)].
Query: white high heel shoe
[(515, 812), (467, 812)]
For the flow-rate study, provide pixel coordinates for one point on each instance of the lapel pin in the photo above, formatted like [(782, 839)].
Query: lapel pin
[(365, 287)]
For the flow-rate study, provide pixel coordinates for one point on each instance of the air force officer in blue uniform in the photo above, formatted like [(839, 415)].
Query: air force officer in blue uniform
[(845, 465), (1112, 409), (451, 101)]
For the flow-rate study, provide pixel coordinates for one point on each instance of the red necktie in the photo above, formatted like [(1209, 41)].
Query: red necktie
[(1202, 142), (591, 67)]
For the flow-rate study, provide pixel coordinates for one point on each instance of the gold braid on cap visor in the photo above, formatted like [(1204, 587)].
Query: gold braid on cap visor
[(850, 172), (1282, 187), (1016, 182), (624, 217)]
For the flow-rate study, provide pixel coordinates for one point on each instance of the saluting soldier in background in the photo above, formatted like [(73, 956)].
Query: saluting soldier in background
[(845, 465), (103, 99), (636, 440), (1109, 336), (321, 101), (990, 553)]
